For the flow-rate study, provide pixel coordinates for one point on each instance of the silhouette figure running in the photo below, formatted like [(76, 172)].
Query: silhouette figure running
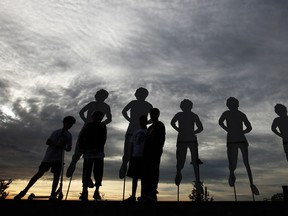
[(152, 152), (59, 141), (97, 105), (91, 145), (135, 165), (236, 139), (184, 123), (132, 112), (280, 125)]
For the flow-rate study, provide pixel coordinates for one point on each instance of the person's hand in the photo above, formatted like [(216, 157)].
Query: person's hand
[(122, 171), (70, 170)]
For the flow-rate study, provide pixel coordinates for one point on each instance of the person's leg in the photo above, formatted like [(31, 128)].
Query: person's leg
[(126, 155), (181, 153), (232, 154), (285, 146), (193, 147), (134, 186), (86, 175), (32, 181), (98, 176), (244, 150)]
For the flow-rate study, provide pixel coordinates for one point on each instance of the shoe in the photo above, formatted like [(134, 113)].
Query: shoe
[(96, 195), (178, 178), (53, 197), (20, 195), (84, 196), (254, 190), (130, 199), (198, 161), (232, 180)]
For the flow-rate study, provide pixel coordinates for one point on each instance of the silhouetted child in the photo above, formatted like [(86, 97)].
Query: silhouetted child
[(135, 166), (236, 139), (58, 142), (91, 145), (97, 105), (184, 123), (152, 152), (136, 108), (280, 125)]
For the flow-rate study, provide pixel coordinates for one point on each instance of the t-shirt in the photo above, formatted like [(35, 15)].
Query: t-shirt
[(54, 153)]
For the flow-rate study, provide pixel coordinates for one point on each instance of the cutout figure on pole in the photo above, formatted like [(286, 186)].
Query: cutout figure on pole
[(234, 121), (98, 105), (280, 125), (132, 112), (188, 125)]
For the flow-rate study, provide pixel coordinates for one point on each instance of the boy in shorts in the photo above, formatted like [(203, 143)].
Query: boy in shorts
[(59, 141)]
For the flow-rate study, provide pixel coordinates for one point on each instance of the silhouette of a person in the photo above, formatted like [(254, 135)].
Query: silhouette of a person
[(236, 139), (59, 141), (280, 125), (152, 152), (97, 105), (188, 125), (135, 165), (132, 112), (91, 144)]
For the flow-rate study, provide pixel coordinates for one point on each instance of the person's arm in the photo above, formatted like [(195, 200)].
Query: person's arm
[(173, 123), (125, 111), (247, 125), (221, 122), (199, 126), (83, 111), (274, 127), (108, 117)]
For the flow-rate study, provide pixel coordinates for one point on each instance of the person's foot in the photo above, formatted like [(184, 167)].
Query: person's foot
[(130, 199), (198, 161), (20, 195), (254, 189), (178, 178), (232, 180), (96, 195), (84, 196)]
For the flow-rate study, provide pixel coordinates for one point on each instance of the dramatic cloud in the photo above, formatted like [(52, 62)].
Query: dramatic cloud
[(55, 55)]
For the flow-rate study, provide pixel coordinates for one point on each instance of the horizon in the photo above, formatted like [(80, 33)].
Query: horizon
[(54, 56)]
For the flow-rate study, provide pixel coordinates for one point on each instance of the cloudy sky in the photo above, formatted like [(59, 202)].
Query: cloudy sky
[(54, 56)]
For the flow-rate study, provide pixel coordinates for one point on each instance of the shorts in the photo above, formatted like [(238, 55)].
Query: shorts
[(55, 166)]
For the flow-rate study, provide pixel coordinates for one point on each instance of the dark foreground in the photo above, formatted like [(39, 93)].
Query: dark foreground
[(119, 208)]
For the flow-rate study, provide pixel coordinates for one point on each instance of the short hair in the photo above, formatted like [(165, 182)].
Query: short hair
[(280, 108), (186, 103), (69, 119), (232, 102), (102, 93), (142, 92), (155, 110)]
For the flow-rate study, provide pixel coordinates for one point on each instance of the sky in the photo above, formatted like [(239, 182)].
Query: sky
[(54, 56)]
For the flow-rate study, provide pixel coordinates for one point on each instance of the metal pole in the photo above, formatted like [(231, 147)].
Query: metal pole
[(124, 180), (235, 192)]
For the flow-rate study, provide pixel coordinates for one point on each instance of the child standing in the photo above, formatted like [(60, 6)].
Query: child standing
[(135, 167), (91, 145)]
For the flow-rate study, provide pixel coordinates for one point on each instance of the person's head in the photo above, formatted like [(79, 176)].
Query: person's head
[(186, 105), (232, 103), (143, 121), (141, 93), (101, 95), (68, 122), (280, 109), (154, 114), (97, 116)]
